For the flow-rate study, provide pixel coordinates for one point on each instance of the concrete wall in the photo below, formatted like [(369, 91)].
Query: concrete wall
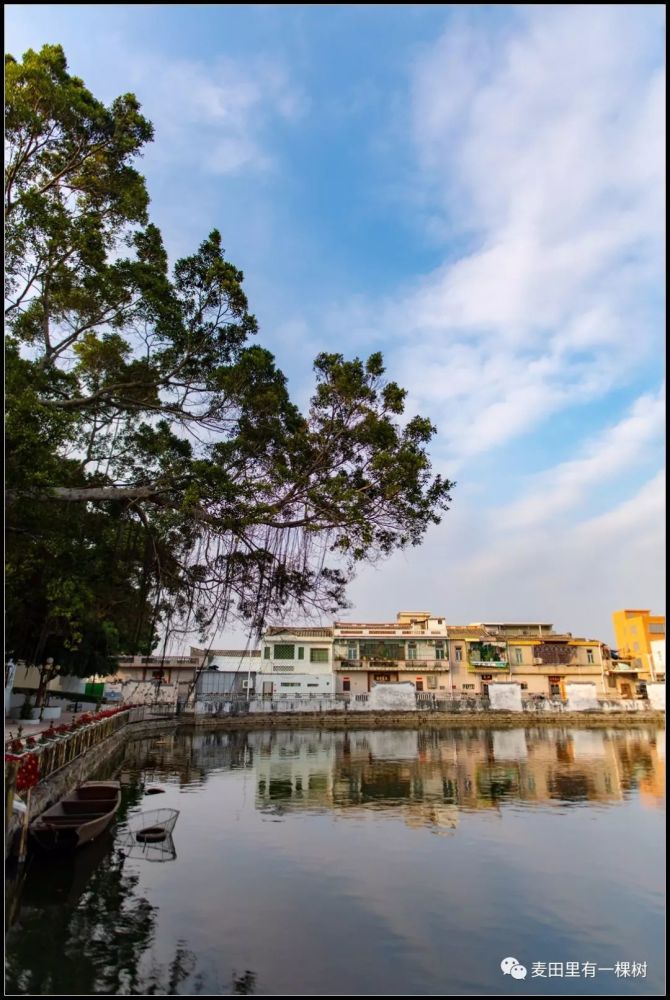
[(658, 655), (656, 695), (505, 697), (433, 680), (581, 697), (290, 685), (142, 692), (392, 698), (358, 681), (29, 677)]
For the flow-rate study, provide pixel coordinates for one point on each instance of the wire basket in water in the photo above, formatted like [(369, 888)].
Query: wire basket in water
[(154, 826)]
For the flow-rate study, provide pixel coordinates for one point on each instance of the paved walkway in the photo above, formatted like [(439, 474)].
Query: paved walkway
[(30, 728)]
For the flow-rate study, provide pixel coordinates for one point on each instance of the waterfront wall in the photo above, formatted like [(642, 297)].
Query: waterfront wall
[(506, 697), (503, 701), (656, 694), (581, 697)]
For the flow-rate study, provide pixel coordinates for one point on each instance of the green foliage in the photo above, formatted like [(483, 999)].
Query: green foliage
[(158, 474)]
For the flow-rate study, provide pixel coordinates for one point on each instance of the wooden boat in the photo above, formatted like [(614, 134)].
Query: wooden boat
[(79, 817)]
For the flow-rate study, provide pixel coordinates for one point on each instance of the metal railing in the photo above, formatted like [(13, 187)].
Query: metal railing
[(61, 745)]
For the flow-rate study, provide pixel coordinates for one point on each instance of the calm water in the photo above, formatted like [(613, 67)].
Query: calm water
[(363, 863)]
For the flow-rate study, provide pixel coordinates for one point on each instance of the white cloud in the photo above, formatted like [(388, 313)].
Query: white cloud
[(543, 146), (618, 451), (471, 569), (216, 116)]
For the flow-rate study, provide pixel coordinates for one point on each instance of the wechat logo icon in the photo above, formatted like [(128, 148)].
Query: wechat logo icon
[(511, 967)]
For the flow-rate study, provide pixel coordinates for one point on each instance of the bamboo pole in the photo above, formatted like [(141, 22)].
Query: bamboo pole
[(24, 829), (10, 787)]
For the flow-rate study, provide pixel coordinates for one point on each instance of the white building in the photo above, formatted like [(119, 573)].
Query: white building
[(295, 661), (658, 658)]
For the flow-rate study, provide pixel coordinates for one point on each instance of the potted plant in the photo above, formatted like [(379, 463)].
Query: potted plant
[(28, 712)]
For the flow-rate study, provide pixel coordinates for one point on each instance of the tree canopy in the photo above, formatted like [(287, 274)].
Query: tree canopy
[(158, 473)]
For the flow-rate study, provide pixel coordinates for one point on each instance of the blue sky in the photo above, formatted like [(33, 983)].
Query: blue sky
[(475, 190)]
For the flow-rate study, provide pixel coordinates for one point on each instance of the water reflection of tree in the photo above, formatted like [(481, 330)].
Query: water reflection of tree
[(166, 982), (244, 984), (89, 946), (81, 927), (188, 756)]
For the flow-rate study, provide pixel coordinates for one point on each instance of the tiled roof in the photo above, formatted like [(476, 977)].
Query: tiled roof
[(468, 632)]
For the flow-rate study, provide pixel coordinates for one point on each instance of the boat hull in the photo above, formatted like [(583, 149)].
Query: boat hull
[(79, 817)]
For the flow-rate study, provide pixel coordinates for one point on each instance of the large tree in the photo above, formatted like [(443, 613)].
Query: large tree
[(138, 409)]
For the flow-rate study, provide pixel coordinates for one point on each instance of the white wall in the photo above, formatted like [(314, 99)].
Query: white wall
[(271, 664), (658, 654), (289, 685)]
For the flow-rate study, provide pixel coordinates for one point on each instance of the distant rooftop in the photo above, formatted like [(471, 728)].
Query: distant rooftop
[(319, 633)]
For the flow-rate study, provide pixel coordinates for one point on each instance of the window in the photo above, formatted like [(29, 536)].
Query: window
[(432, 682), (285, 651), (439, 650), (518, 654), (352, 651), (266, 653), (301, 652), (419, 684), (346, 684), (468, 687), (290, 684), (459, 654), (411, 651), (589, 656), (312, 685), (524, 687), (318, 656)]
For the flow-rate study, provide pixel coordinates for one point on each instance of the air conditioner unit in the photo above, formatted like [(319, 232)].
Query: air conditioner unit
[(248, 685), (537, 660)]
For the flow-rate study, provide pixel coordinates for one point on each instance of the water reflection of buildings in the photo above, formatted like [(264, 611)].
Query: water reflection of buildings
[(430, 777), (427, 776)]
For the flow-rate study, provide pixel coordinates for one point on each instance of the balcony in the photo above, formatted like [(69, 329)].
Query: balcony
[(487, 656), (475, 666), (380, 663)]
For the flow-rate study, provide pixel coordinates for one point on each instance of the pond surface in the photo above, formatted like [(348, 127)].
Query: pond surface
[(381, 862)]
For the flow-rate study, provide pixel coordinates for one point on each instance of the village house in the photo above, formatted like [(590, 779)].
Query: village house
[(412, 648), (295, 661)]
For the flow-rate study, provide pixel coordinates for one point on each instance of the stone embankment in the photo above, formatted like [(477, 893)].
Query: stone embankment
[(425, 720)]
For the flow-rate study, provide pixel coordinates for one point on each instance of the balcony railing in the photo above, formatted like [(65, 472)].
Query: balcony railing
[(157, 661), (378, 663), (474, 666)]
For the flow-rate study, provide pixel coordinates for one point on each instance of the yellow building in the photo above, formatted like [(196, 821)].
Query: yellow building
[(546, 664), (637, 633)]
